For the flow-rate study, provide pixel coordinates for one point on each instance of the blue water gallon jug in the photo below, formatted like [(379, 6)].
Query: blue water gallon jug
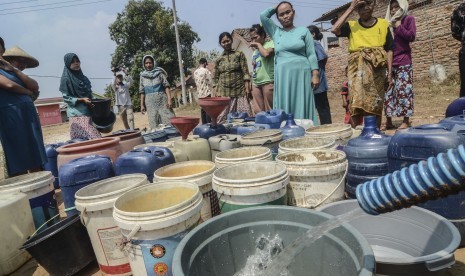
[(81, 172), (247, 128), (51, 165), (367, 155), (206, 131), (291, 129), (144, 160), (419, 143), (272, 117), (237, 116), (456, 107)]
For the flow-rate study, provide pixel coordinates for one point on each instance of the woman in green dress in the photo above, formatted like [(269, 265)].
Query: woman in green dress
[(296, 67)]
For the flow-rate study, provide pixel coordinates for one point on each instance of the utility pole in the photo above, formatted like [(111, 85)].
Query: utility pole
[(178, 45)]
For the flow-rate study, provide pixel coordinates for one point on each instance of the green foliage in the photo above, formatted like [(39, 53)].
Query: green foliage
[(211, 55), (146, 27)]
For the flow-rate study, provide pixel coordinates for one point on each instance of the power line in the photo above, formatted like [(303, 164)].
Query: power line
[(18, 2), (41, 5), (52, 8), (57, 77)]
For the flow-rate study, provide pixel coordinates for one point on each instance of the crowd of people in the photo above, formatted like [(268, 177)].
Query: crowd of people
[(289, 73)]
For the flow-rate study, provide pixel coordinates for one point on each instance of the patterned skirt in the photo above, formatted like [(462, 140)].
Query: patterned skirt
[(398, 101), (82, 127), (157, 109)]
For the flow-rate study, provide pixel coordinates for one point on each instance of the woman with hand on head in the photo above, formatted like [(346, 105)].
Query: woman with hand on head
[(296, 67), (398, 100), (155, 96), (370, 54), (263, 69), (77, 94), (231, 78), (20, 131), (321, 93)]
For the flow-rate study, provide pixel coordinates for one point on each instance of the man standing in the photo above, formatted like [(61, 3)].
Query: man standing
[(123, 98), (203, 81)]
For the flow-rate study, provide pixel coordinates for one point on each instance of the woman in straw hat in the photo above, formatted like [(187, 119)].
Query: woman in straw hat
[(20, 131), (20, 59)]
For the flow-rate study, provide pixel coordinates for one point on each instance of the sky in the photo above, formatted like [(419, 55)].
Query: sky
[(48, 29)]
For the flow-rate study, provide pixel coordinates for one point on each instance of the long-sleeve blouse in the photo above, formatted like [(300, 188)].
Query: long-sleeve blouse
[(231, 72), (403, 36)]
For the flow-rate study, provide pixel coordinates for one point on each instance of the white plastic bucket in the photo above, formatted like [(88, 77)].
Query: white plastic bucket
[(269, 138), (223, 142), (196, 171), (95, 204), (40, 191), (340, 132), (240, 155), (17, 225), (316, 176), (306, 143), (251, 184), (153, 219)]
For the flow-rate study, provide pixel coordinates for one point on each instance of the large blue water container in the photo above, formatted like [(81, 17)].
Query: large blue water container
[(291, 129), (81, 172), (247, 128), (272, 117), (171, 132), (155, 136), (419, 143), (458, 120), (144, 160), (51, 165), (206, 131), (456, 108), (367, 155), (237, 116)]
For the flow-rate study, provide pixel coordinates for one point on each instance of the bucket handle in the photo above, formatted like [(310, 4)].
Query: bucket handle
[(221, 207), (334, 190), (266, 142), (128, 237), (83, 214), (45, 223)]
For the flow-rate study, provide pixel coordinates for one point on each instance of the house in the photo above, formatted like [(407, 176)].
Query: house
[(433, 45), (241, 42), (49, 110)]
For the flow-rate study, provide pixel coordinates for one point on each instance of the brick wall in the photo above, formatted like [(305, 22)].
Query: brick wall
[(432, 18)]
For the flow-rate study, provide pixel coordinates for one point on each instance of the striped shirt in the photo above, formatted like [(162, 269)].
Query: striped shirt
[(231, 72)]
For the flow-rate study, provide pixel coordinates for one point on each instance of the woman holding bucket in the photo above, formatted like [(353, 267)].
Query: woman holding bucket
[(77, 94), (20, 132)]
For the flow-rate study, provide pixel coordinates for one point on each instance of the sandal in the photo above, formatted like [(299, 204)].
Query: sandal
[(385, 127), (403, 126)]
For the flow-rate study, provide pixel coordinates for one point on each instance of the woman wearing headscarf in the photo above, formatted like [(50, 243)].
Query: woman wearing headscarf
[(398, 101), (20, 131), (77, 94), (155, 96), (296, 67), (370, 54)]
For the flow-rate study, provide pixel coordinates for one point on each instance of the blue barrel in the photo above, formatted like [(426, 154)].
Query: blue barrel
[(144, 160), (456, 108), (206, 131), (272, 117), (155, 136), (247, 128), (51, 165), (81, 172), (367, 155), (237, 116), (291, 129), (419, 143), (171, 132)]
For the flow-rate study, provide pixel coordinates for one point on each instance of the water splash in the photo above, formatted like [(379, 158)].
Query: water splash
[(285, 258), (266, 249)]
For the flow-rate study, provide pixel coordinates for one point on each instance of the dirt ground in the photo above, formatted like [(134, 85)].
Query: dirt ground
[(430, 103)]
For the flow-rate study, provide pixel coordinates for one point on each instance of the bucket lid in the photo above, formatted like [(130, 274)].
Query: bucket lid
[(261, 137), (27, 182), (328, 129), (322, 157), (8, 198), (157, 206), (101, 195)]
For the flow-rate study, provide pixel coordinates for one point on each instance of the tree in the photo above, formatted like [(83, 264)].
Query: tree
[(146, 27), (211, 55)]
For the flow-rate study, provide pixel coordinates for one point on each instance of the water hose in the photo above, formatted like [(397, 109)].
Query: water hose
[(434, 178)]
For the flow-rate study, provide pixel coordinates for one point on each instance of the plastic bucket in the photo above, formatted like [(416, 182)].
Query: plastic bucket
[(411, 241), (95, 204), (340, 132), (316, 176), (251, 184), (40, 191), (196, 171), (240, 155), (269, 138), (306, 143), (62, 249), (16, 226), (222, 245), (153, 219)]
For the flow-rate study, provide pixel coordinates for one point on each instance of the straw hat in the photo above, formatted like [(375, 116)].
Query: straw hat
[(15, 51)]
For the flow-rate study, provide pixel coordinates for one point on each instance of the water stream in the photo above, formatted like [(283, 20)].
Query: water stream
[(274, 259)]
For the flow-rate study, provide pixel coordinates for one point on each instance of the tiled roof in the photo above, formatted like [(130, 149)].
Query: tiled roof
[(244, 33), (333, 13)]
